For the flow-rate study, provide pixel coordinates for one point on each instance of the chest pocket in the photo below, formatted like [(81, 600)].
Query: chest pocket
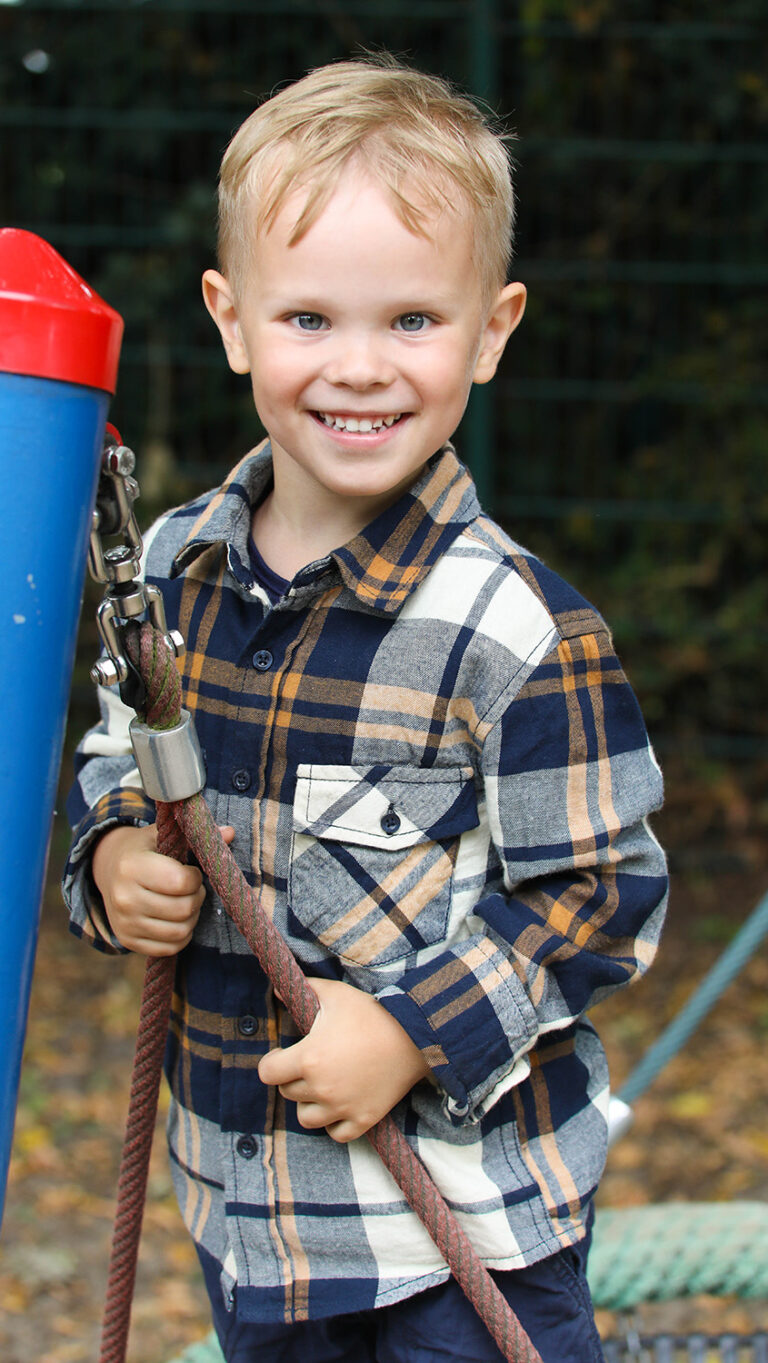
[(373, 856)]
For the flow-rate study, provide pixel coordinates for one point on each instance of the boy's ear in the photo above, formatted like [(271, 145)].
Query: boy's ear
[(220, 303), (504, 316)]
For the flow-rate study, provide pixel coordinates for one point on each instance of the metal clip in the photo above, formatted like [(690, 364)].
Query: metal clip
[(170, 761), (126, 598)]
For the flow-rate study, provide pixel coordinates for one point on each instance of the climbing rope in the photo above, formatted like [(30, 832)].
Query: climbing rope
[(188, 824), (678, 1249)]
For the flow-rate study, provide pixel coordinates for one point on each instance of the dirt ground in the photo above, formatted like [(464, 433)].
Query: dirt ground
[(700, 1132)]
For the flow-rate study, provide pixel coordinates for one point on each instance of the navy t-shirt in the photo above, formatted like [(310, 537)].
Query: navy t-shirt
[(274, 585)]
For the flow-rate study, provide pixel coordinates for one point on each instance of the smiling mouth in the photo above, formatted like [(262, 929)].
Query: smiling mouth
[(363, 425)]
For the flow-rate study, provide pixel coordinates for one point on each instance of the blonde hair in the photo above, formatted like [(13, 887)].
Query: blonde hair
[(414, 133)]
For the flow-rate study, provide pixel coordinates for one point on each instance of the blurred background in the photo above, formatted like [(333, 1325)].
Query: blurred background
[(623, 441)]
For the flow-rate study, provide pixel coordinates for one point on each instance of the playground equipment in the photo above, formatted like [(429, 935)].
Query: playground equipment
[(59, 351)]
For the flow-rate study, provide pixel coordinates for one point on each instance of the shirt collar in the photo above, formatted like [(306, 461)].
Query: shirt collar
[(224, 516), (384, 563), (391, 556)]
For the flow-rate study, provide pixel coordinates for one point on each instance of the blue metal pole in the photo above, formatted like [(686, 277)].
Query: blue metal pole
[(51, 434), (740, 950)]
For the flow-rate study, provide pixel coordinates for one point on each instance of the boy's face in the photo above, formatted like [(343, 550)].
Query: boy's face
[(362, 341)]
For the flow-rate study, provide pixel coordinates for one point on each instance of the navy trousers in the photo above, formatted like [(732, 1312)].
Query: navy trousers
[(550, 1299)]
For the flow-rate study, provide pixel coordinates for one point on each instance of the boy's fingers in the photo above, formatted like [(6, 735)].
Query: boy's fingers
[(343, 1131), (172, 909), (151, 946), (227, 832), (297, 1090), (154, 936), (281, 1066), (142, 899), (164, 875), (311, 1116), (174, 935)]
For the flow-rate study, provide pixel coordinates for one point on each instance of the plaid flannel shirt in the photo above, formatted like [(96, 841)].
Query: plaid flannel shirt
[(440, 781)]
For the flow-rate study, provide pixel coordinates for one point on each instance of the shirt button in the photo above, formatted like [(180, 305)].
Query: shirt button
[(247, 1147), (247, 1025), (263, 660), (241, 779), (390, 822)]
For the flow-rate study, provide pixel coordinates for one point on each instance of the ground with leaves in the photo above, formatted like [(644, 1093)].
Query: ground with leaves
[(700, 1133)]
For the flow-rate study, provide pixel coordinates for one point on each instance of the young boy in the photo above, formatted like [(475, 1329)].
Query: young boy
[(425, 751)]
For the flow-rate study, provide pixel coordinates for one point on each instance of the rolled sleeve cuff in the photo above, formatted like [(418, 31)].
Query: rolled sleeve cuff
[(88, 917), (471, 1018)]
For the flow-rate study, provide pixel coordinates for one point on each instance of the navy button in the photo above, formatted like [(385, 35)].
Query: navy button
[(247, 1147), (263, 660), (241, 779), (247, 1025), (390, 822)]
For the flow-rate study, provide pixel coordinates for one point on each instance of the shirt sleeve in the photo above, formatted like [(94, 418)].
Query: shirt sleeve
[(106, 792), (569, 779)]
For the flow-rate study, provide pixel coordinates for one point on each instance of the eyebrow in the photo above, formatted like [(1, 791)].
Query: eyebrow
[(397, 307)]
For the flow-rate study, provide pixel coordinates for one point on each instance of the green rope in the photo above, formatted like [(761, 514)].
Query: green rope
[(207, 1351), (679, 1249)]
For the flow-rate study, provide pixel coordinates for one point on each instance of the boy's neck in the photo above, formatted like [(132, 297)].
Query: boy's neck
[(285, 542), (291, 532)]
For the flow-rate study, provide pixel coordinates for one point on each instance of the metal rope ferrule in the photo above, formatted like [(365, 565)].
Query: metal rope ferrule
[(170, 761)]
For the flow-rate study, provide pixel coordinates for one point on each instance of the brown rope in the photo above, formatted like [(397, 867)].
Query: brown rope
[(195, 822), (140, 1126)]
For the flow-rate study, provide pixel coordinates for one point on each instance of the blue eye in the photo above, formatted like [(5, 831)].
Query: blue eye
[(412, 321), (309, 321)]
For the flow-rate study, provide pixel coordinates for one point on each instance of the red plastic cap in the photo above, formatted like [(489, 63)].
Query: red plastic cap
[(52, 325)]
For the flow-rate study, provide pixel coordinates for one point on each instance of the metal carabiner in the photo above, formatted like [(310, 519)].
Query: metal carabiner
[(127, 599)]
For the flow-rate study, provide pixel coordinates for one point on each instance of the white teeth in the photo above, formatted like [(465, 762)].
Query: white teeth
[(362, 425)]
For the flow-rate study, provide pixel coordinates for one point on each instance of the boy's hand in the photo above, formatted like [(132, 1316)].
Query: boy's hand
[(352, 1067), (152, 901)]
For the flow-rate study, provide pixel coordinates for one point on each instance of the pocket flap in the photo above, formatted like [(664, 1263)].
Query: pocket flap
[(384, 806)]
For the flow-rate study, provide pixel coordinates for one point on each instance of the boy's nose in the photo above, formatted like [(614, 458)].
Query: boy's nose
[(359, 362)]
